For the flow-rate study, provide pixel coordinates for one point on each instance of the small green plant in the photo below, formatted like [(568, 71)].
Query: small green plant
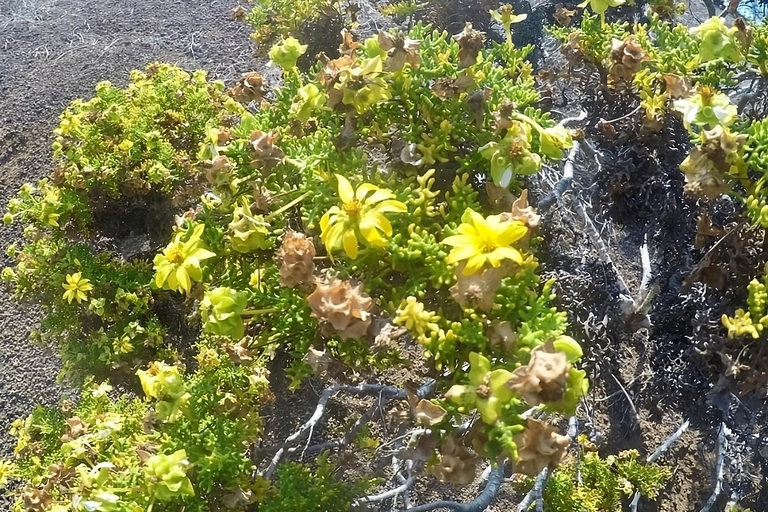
[(299, 487), (590, 483)]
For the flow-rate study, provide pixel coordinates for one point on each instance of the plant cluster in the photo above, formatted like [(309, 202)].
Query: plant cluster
[(688, 72), (590, 483), (371, 205), (124, 154)]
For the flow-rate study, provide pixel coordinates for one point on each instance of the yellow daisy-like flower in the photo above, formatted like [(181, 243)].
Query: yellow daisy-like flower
[(484, 240), (76, 287), (179, 264), (361, 216)]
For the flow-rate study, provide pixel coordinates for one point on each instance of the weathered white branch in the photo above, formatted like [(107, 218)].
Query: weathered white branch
[(722, 443), (392, 493), (384, 392), (535, 493), (658, 453), (479, 504)]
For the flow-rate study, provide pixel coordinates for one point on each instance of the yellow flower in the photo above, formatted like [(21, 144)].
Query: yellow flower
[(361, 215), (482, 240), (75, 287), (413, 316), (179, 264), (6, 471)]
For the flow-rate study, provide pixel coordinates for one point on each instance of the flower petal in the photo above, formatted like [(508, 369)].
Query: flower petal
[(391, 205), (350, 244), (474, 264), (346, 192)]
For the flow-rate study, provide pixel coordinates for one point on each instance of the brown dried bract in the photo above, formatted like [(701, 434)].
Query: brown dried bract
[(319, 360), (523, 212), (676, 86), (457, 464), (74, 429), (563, 15), (539, 446), (424, 412), (478, 291), (544, 379), (239, 13), (388, 337), (501, 336), (266, 155), (296, 259), (348, 44), (470, 43), (217, 171), (626, 57), (400, 50), (251, 87), (342, 306), (238, 353)]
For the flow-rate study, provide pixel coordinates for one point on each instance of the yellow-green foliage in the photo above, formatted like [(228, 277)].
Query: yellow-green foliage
[(591, 483)]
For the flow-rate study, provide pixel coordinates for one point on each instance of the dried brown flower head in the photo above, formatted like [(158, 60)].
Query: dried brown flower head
[(539, 446), (266, 155), (74, 429), (457, 464), (544, 379), (251, 87), (400, 50), (447, 88), (626, 57), (296, 259), (563, 15), (478, 291), (218, 170), (470, 43), (342, 306), (36, 500)]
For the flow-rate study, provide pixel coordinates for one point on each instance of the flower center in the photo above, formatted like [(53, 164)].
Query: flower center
[(483, 391), (176, 254), (516, 149), (352, 208), (486, 247), (707, 93)]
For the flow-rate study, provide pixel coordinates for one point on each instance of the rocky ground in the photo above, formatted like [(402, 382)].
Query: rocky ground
[(646, 380)]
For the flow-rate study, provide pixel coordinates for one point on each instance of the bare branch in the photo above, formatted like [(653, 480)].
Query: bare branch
[(722, 443), (535, 493), (479, 504), (656, 454), (384, 392)]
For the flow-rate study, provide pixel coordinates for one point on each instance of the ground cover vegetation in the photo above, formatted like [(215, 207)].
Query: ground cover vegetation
[(353, 222)]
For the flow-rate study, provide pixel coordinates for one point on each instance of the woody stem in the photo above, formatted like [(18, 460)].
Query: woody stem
[(289, 205)]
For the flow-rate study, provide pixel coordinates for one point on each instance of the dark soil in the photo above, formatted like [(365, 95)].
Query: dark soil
[(645, 381)]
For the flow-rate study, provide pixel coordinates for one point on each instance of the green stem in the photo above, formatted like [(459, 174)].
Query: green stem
[(508, 30), (525, 118), (289, 205), (256, 312)]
